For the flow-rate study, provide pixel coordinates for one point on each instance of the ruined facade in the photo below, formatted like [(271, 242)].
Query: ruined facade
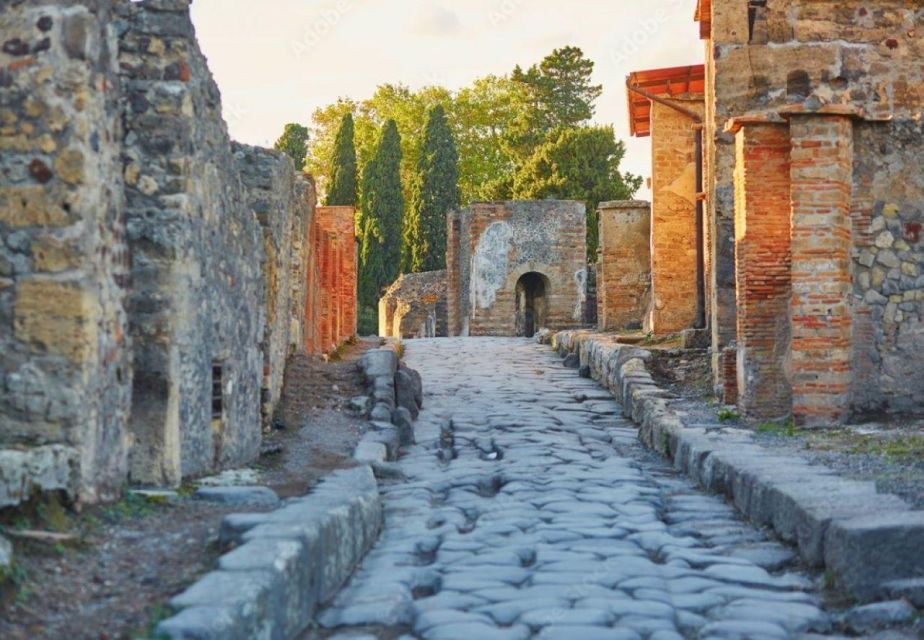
[(814, 193), (623, 265), (153, 277), (667, 105), (283, 202), (515, 267), (332, 312), (415, 307), (64, 266)]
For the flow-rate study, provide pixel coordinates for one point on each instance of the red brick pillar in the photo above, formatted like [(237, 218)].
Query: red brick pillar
[(821, 174), (762, 269)]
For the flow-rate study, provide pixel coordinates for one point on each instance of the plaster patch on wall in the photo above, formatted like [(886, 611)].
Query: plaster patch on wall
[(489, 264), (580, 282)]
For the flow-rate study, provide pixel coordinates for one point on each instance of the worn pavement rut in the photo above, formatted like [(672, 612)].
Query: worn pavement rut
[(530, 510)]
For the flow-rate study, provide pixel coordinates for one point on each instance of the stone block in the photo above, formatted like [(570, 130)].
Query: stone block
[(60, 317), (868, 552), (367, 451), (379, 362), (255, 495), (405, 392), (404, 421)]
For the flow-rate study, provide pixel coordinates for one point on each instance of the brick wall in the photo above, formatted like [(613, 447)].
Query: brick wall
[(762, 245), (623, 266), (821, 182), (335, 247), (799, 59), (673, 219), (498, 243)]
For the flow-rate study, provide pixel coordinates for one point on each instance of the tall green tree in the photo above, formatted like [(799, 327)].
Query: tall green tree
[(558, 94), (294, 143), (380, 218), (342, 189), (578, 164), (435, 191)]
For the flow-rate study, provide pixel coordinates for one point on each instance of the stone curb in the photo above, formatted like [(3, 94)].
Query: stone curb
[(872, 544), (397, 396), (287, 563)]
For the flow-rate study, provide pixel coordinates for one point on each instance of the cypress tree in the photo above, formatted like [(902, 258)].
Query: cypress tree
[(380, 218), (435, 192), (343, 170)]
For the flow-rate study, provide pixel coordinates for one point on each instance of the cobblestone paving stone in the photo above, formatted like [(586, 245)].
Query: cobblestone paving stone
[(530, 510)]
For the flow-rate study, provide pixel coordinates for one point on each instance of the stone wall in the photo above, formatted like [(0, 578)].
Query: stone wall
[(197, 289), (623, 265), (841, 79), (154, 278), (415, 307), (280, 199), (64, 339), (673, 217), (516, 266)]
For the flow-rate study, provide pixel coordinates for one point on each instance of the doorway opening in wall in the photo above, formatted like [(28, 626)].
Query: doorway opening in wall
[(531, 291), (218, 410)]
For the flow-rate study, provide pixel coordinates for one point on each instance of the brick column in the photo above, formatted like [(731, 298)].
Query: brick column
[(762, 269), (624, 267), (821, 174), (673, 219)]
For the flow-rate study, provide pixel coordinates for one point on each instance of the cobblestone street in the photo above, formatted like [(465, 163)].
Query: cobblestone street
[(530, 510)]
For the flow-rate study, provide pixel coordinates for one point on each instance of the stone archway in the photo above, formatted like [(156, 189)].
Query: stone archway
[(531, 293)]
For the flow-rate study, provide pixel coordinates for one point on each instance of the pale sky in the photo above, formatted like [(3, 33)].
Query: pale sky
[(275, 61)]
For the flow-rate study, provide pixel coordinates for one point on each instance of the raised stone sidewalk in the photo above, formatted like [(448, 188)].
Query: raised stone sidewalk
[(871, 544), (288, 562)]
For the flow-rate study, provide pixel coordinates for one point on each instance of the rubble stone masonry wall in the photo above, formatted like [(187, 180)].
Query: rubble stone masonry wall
[(154, 278), (280, 199), (64, 339), (414, 306), (196, 302)]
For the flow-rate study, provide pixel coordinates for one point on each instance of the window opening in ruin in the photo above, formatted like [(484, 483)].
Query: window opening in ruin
[(756, 10), (531, 307), (217, 392)]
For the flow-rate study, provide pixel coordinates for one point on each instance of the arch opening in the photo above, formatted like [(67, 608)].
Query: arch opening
[(531, 303)]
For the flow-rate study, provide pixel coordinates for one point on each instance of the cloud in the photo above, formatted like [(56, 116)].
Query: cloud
[(435, 20)]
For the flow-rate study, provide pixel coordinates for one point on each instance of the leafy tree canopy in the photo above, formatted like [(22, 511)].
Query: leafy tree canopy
[(294, 143), (578, 164)]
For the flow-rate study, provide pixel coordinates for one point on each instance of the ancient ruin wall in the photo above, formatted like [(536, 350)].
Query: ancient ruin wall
[(858, 60), (494, 244), (66, 374), (334, 241), (887, 267), (673, 218), (624, 265), (415, 306), (196, 308), (279, 198)]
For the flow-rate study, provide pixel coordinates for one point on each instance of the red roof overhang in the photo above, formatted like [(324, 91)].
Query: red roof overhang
[(703, 16), (664, 83)]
